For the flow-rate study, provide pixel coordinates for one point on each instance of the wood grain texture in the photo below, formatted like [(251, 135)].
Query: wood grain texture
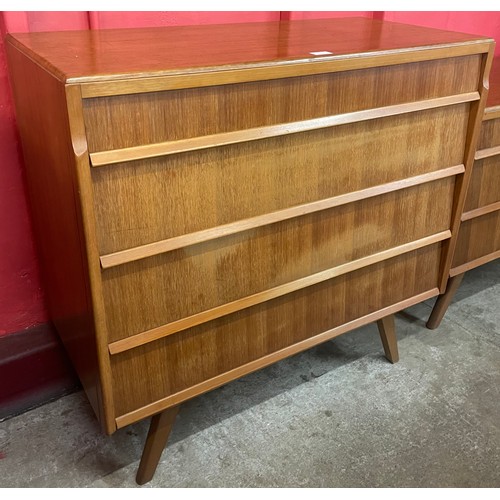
[(175, 243), (146, 202), (493, 103), (269, 294), (444, 301), (264, 244), (219, 380), (478, 238), (472, 138), (332, 64), (490, 134), (483, 210), (484, 187), (228, 138), (136, 120), (491, 113), (50, 167), (487, 153), (455, 271), (477, 242), (159, 431), (158, 369), (85, 56), (387, 330), (88, 235), (202, 277)]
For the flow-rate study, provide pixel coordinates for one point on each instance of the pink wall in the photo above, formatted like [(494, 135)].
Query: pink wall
[(476, 23), (105, 20), (21, 297), (294, 15), (21, 293)]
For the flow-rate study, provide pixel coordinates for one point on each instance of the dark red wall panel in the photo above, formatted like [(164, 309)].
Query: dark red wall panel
[(21, 295)]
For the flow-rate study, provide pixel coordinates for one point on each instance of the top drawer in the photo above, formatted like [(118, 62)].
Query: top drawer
[(490, 129), (133, 120), (205, 194)]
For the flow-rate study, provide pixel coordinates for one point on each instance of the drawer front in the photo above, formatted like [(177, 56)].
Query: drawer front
[(134, 120), (478, 239), (490, 134), (484, 187), (151, 292), (176, 363), (479, 236), (141, 202)]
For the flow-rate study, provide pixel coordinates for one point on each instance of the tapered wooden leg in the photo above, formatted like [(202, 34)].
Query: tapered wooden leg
[(387, 331), (443, 301), (159, 430)]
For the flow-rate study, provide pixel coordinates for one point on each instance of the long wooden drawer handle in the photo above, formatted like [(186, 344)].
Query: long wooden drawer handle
[(110, 157), (273, 293), (185, 240)]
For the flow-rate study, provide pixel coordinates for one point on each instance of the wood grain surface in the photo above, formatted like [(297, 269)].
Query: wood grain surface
[(484, 188), (252, 200), (487, 153), (271, 293), (493, 102), (50, 171), (478, 238), (202, 277), (96, 55), (478, 241), (161, 198), (483, 210), (183, 241), (490, 134), (472, 138), (113, 156), (172, 364), (141, 119)]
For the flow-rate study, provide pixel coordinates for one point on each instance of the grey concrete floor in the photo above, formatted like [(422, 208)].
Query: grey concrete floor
[(338, 415)]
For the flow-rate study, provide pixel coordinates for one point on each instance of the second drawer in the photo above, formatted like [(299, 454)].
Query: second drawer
[(158, 290)]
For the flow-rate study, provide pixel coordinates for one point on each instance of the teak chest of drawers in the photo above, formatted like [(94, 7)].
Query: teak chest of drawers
[(209, 200), (479, 234)]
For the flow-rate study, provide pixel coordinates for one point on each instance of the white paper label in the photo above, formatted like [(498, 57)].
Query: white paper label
[(321, 53)]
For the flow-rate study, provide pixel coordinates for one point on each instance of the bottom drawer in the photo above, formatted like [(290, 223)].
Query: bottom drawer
[(175, 368), (478, 239)]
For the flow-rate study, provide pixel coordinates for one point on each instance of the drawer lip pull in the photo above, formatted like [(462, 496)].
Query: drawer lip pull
[(102, 158), (491, 113), (156, 248), (218, 380), (272, 293), (463, 268), (478, 212), (487, 153), (121, 84)]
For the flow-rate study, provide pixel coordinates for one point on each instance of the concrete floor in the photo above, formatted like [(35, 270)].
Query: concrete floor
[(338, 415)]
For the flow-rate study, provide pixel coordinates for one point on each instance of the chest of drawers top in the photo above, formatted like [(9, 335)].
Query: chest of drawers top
[(232, 52)]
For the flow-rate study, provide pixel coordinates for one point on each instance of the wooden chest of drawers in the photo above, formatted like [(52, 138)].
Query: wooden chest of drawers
[(209, 200), (479, 237), (479, 234)]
